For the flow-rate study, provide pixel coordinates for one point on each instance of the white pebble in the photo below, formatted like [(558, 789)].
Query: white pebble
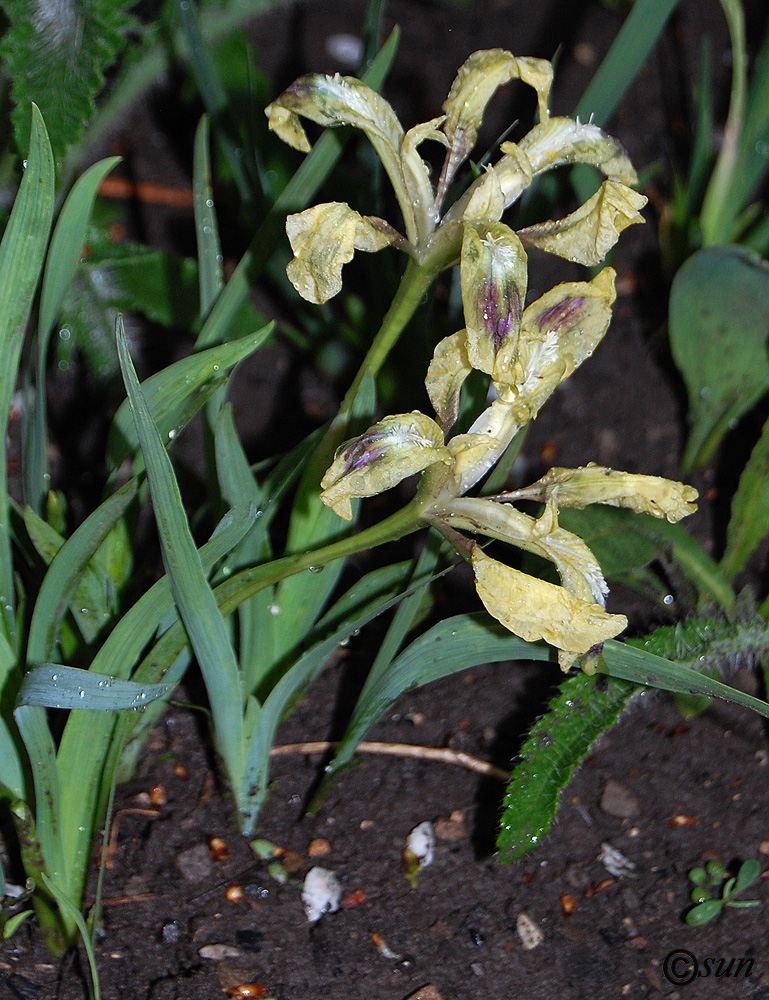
[(529, 932), (321, 893)]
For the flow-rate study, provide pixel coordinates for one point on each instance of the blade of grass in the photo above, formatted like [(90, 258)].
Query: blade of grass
[(64, 573), (177, 392), (210, 267), (53, 685), (642, 667), (193, 596), (633, 44), (64, 254), (21, 259)]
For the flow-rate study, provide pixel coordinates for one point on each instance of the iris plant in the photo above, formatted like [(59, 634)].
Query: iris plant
[(526, 351)]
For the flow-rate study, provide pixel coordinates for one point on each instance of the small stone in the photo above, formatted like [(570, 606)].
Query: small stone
[(452, 829), (218, 952), (318, 848), (619, 801), (321, 893), (615, 862), (763, 847), (194, 863), (530, 934)]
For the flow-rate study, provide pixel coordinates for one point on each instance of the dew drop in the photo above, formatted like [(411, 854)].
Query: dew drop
[(24, 164), (209, 203), (80, 693), (668, 599), (171, 434), (274, 609), (216, 368), (315, 569)]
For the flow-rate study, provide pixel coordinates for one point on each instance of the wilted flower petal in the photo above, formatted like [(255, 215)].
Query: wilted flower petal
[(597, 484), (558, 332), (577, 567), (324, 239), (588, 234), (345, 100), (474, 86), (559, 141), (487, 200), (388, 452), (494, 276), (417, 177), (446, 374), (534, 609)]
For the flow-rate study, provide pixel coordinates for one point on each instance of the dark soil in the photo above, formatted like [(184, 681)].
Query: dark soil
[(695, 791)]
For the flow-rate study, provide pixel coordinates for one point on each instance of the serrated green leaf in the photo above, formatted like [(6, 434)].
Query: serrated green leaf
[(749, 520), (124, 277), (718, 322), (558, 742), (55, 55)]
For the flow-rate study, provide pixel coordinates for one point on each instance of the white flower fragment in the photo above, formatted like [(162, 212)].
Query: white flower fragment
[(321, 893), (419, 851)]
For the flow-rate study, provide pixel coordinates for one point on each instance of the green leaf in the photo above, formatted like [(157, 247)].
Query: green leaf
[(749, 873), (56, 55), (21, 259), (53, 685), (718, 320), (64, 253), (90, 743), (193, 596), (703, 913), (65, 573), (642, 667), (210, 267), (370, 597), (453, 645), (749, 520), (177, 392), (623, 540), (558, 742), (302, 598), (402, 623)]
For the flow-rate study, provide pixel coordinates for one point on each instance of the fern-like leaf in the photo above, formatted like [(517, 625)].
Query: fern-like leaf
[(56, 53)]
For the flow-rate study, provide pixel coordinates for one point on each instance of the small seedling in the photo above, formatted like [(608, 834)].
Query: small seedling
[(709, 878)]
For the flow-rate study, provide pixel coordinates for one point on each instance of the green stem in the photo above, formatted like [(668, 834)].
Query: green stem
[(416, 279), (720, 206), (239, 588)]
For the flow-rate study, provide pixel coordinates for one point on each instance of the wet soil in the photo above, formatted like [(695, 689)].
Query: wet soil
[(689, 791)]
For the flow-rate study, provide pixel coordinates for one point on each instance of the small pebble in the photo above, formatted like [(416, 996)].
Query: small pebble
[(194, 863), (530, 934), (318, 848), (321, 893), (218, 952), (452, 829), (619, 801), (615, 862)]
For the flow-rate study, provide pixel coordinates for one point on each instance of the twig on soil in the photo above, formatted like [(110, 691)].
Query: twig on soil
[(444, 755)]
